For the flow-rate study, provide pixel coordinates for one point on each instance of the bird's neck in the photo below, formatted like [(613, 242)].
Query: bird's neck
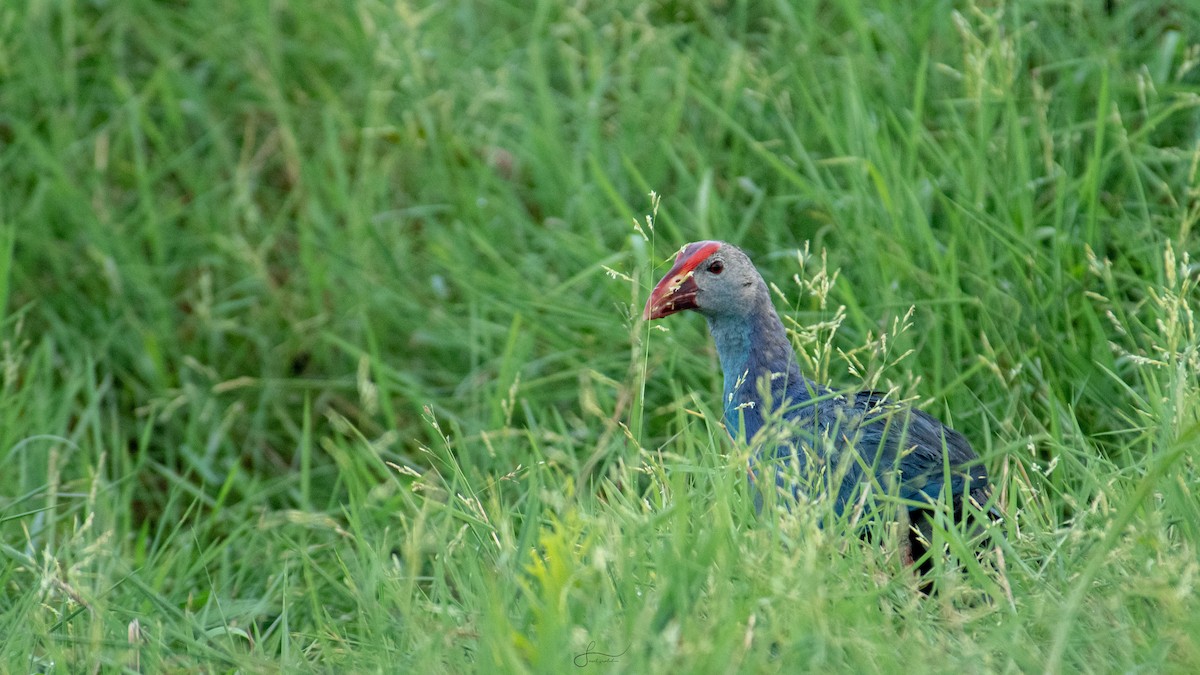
[(754, 351)]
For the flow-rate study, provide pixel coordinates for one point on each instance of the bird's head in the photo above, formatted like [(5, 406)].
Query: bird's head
[(711, 277)]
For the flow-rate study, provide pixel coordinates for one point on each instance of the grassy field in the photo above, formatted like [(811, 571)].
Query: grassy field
[(322, 351)]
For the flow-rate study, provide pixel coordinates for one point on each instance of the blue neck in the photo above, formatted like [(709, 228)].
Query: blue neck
[(755, 350)]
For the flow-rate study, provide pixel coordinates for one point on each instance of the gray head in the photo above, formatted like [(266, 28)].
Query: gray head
[(711, 277)]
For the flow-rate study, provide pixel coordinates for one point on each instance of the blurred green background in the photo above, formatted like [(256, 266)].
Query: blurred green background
[(322, 344)]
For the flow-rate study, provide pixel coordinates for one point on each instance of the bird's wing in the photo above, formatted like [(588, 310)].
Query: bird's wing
[(920, 447), (891, 442)]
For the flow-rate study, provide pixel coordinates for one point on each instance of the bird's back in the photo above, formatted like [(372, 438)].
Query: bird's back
[(839, 445)]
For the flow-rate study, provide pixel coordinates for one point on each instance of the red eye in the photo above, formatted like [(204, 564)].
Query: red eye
[(716, 267)]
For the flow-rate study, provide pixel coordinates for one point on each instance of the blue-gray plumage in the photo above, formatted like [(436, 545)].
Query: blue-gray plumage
[(837, 444)]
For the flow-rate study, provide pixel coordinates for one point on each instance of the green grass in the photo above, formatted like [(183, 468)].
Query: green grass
[(321, 346)]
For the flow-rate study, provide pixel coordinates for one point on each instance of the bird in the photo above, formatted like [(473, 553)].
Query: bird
[(819, 442)]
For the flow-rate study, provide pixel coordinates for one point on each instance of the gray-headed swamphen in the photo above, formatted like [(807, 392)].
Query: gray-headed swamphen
[(845, 447)]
